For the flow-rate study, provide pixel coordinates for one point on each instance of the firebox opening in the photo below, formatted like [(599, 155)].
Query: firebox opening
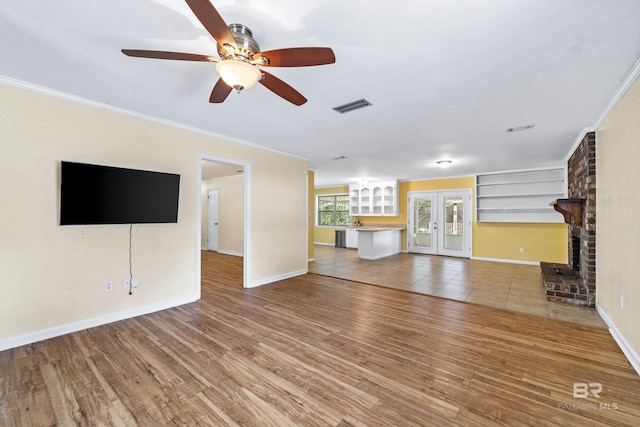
[(575, 249)]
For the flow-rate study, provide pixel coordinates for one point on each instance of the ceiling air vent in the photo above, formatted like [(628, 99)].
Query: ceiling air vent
[(520, 128), (345, 108)]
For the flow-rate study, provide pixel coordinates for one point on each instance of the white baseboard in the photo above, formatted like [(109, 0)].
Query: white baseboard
[(311, 259), (628, 351), (510, 261), (279, 277), (324, 244), (68, 328)]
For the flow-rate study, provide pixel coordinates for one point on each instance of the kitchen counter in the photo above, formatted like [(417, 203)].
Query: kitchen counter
[(378, 228), (378, 241)]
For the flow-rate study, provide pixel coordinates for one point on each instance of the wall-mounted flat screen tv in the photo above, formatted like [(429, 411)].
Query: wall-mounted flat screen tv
[(94, 194)]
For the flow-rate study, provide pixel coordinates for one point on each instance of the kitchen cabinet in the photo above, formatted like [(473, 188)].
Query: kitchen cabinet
[(378, 242), (352, 238), (374, 199)]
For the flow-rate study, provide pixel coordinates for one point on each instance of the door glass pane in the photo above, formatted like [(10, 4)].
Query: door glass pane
[(422, 223), (453, 232)]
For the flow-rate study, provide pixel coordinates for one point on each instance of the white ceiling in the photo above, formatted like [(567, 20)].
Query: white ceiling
[(211, 169), (446, 78)]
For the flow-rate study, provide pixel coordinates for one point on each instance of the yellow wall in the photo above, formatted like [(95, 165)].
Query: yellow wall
[(230, 213), (542, 242), (617, 209), (53, 276)]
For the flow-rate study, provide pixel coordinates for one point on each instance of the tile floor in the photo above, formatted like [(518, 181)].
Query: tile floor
[(515, 287)]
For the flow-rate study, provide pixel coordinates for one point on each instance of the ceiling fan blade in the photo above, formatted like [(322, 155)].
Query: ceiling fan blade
[(220, 92), (160, 54), (298, 57), (282, 89), (212, 21)]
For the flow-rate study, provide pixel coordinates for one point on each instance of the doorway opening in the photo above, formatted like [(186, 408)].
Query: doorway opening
[(222, 206), (440, 223)]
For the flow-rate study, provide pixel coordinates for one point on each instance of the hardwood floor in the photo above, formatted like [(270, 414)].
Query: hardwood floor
[(314, 350)]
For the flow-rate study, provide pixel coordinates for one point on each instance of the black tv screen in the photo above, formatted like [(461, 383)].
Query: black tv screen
[(94, 194)]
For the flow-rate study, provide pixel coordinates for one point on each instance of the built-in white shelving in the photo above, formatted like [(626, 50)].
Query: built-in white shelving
[(520, 196), (374, 199)]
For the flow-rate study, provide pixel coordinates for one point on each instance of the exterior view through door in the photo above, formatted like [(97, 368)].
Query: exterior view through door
[(440, 223)]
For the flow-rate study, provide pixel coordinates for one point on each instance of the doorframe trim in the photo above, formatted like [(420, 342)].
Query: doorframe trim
[(247, 217)]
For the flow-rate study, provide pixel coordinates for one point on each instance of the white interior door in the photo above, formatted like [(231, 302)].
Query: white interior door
[(440, 223), (213, 196)]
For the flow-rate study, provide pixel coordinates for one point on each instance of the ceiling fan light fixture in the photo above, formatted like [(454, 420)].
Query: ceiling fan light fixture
[(238, 74)]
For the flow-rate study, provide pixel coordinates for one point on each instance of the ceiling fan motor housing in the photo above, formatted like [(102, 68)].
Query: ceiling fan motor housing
[(247, 46)]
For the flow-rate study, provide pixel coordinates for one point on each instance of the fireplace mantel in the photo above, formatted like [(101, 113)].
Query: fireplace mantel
[(571, 209)]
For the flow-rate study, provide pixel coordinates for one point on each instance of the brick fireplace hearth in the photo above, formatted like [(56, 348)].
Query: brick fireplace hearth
[(575, 283)]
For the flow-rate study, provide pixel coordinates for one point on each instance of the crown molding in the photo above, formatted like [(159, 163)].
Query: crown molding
[(617, 96), (631, 78)]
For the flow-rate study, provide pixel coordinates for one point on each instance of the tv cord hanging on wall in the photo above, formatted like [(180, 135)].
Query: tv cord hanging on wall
[(130, 264)]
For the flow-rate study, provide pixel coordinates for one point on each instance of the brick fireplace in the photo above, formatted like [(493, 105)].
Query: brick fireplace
[(575, 283)]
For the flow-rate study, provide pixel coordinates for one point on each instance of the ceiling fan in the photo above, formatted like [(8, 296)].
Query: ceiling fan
[(240, 57)]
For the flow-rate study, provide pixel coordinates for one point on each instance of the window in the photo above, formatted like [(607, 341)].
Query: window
[(334, 210)]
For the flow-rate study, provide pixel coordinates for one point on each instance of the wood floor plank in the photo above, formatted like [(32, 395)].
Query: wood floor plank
[(316, 351)]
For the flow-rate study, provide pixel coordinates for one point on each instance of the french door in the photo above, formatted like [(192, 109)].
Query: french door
[(440, 223)]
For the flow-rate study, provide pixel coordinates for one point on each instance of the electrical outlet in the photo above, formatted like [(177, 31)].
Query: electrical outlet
[(521, 250), (620, 301), (135, 282), (108, 286)]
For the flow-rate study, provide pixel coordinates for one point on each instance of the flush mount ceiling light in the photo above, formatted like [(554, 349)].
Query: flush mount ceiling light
[(444, 163), (238, 74)]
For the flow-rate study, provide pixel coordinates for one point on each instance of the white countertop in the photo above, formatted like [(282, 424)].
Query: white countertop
[(378, 228)]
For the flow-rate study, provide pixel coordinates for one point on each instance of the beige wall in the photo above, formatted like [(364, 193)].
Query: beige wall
[(230, 213), (617, 210), (54, 276)]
